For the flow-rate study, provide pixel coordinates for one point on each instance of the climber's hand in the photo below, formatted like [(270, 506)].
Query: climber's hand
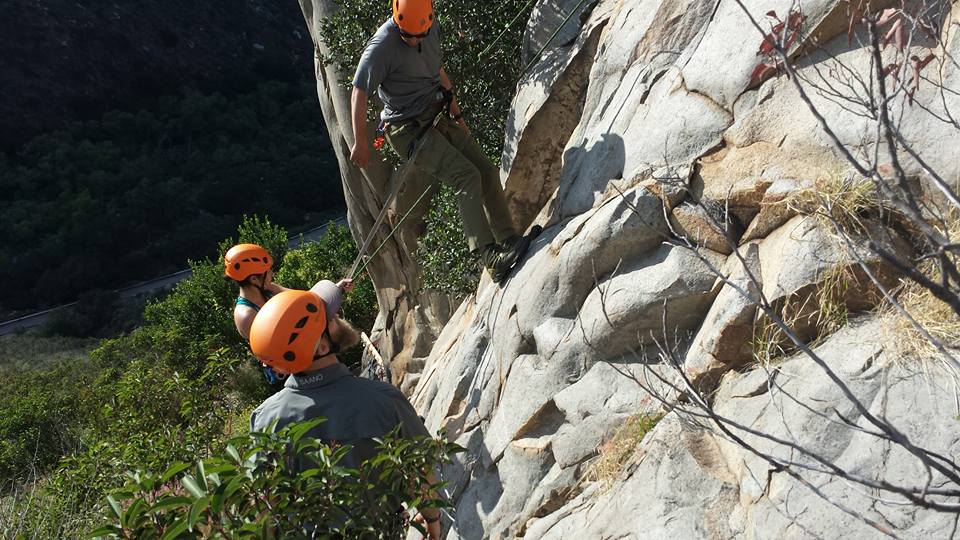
[(433, 528), (360, 154)]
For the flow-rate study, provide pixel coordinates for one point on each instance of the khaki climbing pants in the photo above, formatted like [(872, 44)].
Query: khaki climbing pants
[(452, 156)]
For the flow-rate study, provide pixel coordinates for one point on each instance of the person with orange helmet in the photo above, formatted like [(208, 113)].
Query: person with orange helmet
[(291, 334), (251, 267), (402, 63)]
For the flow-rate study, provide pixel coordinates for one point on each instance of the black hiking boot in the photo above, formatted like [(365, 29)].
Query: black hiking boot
[(499, 261)]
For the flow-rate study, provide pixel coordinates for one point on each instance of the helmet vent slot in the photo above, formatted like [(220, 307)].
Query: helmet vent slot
[(293, 337), (302, 322), (312, 308), (289, 356)]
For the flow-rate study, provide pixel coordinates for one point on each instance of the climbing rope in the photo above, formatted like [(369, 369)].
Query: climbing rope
[(355, 273), (505, 30), (394, 188), (555, 33), (396, 182)]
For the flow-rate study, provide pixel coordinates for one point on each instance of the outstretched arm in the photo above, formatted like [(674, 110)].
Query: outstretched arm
[(276, 288), (360, 151)]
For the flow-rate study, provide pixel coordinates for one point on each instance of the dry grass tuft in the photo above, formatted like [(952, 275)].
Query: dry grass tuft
[(615, 452), (937, 318), (814, 313), (832, 312), (839, 198), (768, 341)]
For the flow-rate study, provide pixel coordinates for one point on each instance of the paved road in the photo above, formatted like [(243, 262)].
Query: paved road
[(161, 283)]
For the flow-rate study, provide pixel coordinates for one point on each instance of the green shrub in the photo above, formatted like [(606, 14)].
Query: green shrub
[(175, 389), (41, 410), (448, 266), (32, 511), (92, 314), (254, 489), (261, 231), (31, 352)]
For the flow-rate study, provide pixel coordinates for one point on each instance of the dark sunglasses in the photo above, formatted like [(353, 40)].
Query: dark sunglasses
[(410, 36)]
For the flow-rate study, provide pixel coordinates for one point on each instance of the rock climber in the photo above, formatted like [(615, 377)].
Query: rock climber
[(402, 62), (291, 334)]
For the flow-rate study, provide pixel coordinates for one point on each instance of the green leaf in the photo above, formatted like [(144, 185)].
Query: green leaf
[(173, 470), (107, 531), (216, 502), (193, 487), (236, 483), (115, 506), (234, 455), (136, 509), (178, 528), (196, 510), (298, 431), (201, 475), (170, 502), (217, 469)]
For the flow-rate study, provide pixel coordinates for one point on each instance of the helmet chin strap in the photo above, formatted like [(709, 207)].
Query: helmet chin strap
[(334, 346), (263, 285)]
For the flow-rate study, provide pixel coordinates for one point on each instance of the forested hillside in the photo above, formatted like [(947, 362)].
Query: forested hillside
[(66, 60), (132, 136)]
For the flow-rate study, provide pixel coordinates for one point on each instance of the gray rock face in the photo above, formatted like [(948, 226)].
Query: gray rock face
[(634, 128), (723, 340), (686, 483)]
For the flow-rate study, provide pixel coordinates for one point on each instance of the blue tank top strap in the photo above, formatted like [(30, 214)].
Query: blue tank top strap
[(241, 301)]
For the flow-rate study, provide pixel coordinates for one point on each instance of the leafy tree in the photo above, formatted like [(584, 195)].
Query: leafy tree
[(448, 266)]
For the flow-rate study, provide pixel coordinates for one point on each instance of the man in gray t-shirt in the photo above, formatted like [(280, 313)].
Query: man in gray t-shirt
[(403, 64)]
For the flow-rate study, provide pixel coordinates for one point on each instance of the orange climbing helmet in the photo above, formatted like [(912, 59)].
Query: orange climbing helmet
[(286, 331), (413, 17), (245, 260)]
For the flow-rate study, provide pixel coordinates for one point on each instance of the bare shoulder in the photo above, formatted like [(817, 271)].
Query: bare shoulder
[(243, 318)]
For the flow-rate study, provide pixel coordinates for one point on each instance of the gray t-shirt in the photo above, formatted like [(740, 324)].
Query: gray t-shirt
[(357, 410), (406, 78)]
